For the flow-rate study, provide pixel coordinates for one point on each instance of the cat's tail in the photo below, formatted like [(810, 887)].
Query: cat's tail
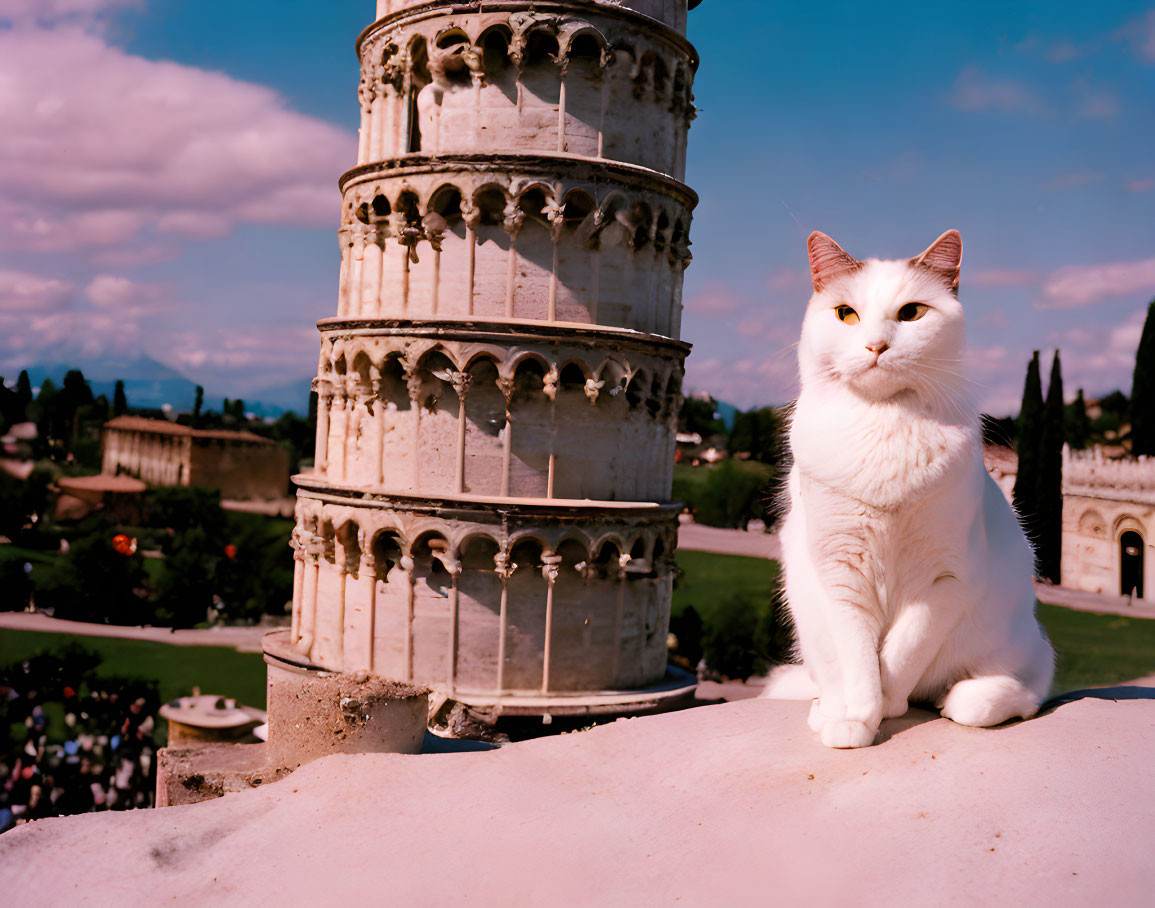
[(789, 682)]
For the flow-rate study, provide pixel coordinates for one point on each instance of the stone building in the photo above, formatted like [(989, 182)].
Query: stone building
[(1108, 521), (489, 514), (240, 465)]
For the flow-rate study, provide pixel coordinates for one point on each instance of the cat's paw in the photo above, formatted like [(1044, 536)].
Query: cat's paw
[(893, 707), (822, 713), (983, 702), (842, 733)]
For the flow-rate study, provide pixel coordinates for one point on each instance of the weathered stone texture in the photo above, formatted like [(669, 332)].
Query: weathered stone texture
[(499, 389)]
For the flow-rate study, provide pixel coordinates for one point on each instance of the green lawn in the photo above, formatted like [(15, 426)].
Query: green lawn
[(177, 669), (1092, 649), (709, 580)]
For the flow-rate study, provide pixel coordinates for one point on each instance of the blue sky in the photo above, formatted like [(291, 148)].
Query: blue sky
[(172, 187)]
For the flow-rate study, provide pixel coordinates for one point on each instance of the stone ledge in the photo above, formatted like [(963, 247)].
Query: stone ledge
[(729, 804)]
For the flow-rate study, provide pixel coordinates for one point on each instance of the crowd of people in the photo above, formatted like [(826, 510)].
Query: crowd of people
[(71, 742)]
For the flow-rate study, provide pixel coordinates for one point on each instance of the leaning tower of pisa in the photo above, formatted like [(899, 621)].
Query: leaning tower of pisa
[(489, 514)]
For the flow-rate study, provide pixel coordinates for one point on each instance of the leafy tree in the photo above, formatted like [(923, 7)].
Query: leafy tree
[(24, 390), (699, 414), (1077, 426), (757, 432), (1030, 435), (198, 404), (730, 497), (119, 401), (1143, 390), (94, 582), (1049, 494)]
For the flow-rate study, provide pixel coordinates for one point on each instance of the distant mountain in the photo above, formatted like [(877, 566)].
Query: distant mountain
[(147, 383), (273, 400)]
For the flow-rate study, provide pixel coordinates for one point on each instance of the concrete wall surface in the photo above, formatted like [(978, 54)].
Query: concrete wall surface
[(736, 804)]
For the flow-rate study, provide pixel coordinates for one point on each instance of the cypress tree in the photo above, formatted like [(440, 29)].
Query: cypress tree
[(119, 401), (1078, 425), (1050, 478), (24, 390), (1143, 390), (1030, 434), (197, 404)]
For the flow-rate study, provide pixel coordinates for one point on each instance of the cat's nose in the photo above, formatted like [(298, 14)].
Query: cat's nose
[(878, 349)]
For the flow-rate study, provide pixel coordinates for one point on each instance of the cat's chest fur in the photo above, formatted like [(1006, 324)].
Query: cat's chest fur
[(885, 455)]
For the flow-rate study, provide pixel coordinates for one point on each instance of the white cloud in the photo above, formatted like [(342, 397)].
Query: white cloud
[(713, 299), (31, 293), (101, 146), (1002, 277), (976, 91), (1074, 286), (120, 296)]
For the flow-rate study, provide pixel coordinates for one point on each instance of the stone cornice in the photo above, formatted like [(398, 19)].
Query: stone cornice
[(504, 332), (549, 167), (630, 19)]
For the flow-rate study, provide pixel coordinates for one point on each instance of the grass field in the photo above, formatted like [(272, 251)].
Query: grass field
[(177, 669), (1093, 649)]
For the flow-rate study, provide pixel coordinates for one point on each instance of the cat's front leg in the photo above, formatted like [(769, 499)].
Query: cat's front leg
[(913, 640), (856, 641)]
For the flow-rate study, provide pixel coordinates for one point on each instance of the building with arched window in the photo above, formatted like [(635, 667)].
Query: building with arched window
[(1108, 522)]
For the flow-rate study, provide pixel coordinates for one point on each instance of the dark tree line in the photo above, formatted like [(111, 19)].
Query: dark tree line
[(1038, 494)]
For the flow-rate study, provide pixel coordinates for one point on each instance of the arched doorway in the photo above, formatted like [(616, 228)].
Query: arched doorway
[(1131, 564)]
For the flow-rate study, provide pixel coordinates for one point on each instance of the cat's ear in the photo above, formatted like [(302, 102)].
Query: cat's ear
[(828, 260), (944, 257)]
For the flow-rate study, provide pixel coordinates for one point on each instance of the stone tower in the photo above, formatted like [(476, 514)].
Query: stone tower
[(489, 514)]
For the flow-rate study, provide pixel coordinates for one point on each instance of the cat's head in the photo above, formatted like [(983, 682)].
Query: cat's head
[(885, 328)]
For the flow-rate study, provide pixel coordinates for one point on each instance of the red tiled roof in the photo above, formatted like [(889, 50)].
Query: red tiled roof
[(164, 427)]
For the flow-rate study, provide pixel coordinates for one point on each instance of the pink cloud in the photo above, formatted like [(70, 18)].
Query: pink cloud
[(713, 299), (976, 91), (1140, 185), (1002, 277), (31, 293), (86, 12), (120, 296), (281, 349), (1071, 180), (783, 279), (745, 382), (751, 327), (1074, 286), (1141, 33), (101, 145)]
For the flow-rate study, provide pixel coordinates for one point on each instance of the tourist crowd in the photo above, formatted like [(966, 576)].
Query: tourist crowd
[(64, 752)]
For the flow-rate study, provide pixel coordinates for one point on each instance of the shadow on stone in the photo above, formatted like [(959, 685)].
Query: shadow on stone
[(914, 716), (1126, 692)]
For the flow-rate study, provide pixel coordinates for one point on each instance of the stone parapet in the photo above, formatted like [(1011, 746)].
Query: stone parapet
[(504, 410), (469, 596), (587, 79), (525, 237)]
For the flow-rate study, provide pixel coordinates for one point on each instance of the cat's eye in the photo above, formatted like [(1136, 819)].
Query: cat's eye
[(846, 314), (912, 312)]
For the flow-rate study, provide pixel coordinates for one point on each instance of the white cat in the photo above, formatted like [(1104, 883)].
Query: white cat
[(907, 573)]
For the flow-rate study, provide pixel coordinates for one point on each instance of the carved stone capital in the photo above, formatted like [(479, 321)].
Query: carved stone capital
[(593, 389), (549, 383)]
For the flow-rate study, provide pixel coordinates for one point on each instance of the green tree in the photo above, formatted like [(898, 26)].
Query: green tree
[(1030, 436), (730, 497), (198, 404), (1077, 425), (700, 414), (24, 390), (1143, 390), (119, 401), (757, 432), (1049, 494)]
